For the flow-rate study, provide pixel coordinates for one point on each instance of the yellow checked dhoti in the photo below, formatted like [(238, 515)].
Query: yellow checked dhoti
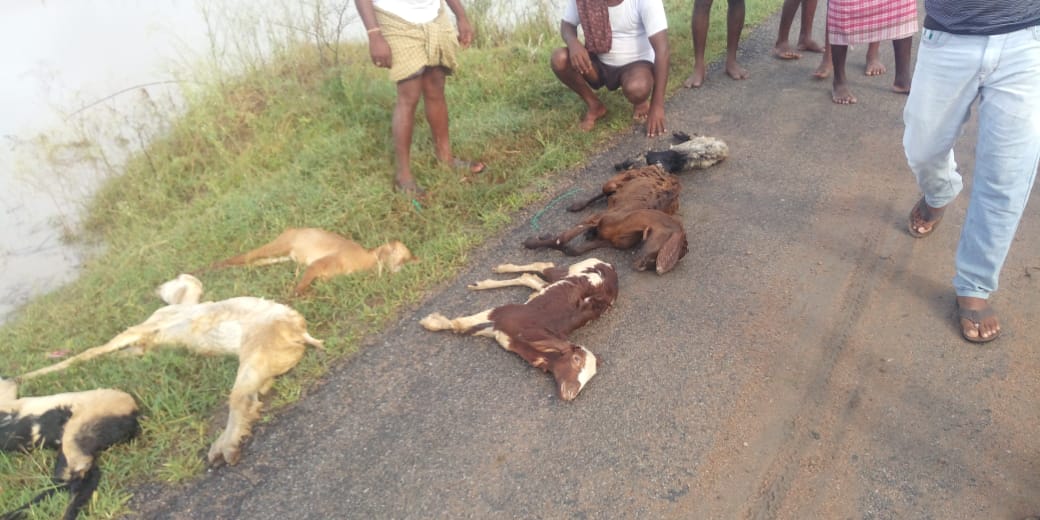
[(416, 46)]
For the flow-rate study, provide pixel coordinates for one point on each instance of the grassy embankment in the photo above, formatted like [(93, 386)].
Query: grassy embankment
[(296, 143)]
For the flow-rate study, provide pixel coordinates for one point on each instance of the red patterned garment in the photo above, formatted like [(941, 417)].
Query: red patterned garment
[(866, 21)]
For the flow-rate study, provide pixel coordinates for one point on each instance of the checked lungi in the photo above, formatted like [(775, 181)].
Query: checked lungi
[(416, 46), (866, 21)]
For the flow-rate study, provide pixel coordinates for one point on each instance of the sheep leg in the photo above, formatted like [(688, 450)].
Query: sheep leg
[(461, 325), (535, 267), (81, 490), (556, 242), (320, 269), (125, 339), (580, 205), (527, 280), (243, 410), (585, 247), (273, 252)]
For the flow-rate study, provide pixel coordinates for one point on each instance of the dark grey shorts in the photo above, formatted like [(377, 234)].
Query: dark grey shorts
[(609, 76)]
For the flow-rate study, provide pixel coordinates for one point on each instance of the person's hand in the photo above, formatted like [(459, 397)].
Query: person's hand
[(580, 60), (655, 122), (379, 50), (465, 32)]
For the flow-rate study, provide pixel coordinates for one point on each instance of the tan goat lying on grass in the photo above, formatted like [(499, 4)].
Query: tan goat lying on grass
[(78, 424), (325, 254), (565, 298), (269, 339)]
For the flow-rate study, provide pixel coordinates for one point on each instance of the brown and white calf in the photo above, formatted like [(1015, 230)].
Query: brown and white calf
[(78, 424), (564, 300), (640, 204)]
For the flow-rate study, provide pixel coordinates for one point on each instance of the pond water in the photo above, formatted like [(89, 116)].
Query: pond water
[(74, 75)]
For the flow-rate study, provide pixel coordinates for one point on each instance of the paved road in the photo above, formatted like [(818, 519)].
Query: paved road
[(801, 362)]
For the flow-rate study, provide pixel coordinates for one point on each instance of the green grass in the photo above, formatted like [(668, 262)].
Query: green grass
[(294, 143)]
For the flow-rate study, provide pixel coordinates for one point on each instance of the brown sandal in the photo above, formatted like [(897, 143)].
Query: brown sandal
[(917, 215)]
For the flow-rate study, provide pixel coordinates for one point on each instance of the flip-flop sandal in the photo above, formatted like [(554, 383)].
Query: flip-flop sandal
[(919, 209), (976, 317), (471, 167)]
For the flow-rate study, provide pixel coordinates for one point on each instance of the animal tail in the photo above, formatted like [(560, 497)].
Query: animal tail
[(117, 343), (314, 342)]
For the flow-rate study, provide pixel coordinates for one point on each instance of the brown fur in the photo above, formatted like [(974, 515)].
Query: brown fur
[(268, 338), (640, 205), (325, 254), (564, 300)]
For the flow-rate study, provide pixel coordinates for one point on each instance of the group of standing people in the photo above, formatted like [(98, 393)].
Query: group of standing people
[(984, 52)]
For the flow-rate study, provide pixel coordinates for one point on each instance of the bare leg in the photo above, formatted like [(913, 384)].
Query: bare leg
[(874, 66), (904, 76), (403, 125), (637, 83), (436, 106), (734, 25), (561, 66), (805, 39), (782, 48), (823, 71), (699, 30), (840, 91)]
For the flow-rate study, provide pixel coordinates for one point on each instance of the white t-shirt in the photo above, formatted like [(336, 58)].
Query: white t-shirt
[(632, 22), (414, 11)]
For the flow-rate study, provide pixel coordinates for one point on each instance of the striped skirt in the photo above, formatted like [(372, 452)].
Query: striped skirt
[(866, 21)]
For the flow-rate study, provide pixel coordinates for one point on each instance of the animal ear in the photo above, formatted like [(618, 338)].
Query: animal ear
[(550, 345), (672, 250)]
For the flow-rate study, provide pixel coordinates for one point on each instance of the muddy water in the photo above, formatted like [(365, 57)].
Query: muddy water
[(73, 77), (67, 66)]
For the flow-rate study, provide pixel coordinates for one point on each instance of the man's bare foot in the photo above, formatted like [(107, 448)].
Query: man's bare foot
[(809, 46), (735, 71), (978, 321), (640, 111), (696, 79), (824, 70), (595, 113), (842, 95), (874, 68), (901, 85), (783, 51)]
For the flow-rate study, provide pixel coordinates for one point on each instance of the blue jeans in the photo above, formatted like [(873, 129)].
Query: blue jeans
[(1002, 73)]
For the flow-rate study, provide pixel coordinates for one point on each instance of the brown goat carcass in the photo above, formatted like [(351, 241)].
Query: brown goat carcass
[(640, 205), (564, 300)]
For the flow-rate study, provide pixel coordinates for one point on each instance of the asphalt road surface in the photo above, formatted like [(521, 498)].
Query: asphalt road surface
[(801, 362)]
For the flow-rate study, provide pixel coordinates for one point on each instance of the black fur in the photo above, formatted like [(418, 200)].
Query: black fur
[(95, 437), (16, 432)]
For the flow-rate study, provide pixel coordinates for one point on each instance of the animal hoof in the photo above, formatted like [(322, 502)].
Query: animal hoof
[(533, 243), (221, 455)]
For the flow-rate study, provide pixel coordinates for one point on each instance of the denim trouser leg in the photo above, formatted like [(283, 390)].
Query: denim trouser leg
[(1003, 73)]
